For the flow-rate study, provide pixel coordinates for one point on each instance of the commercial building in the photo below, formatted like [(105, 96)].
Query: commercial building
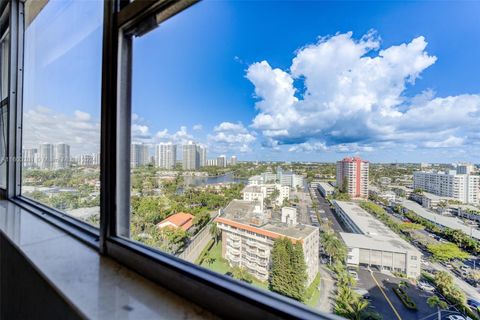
[(461, 187), (371, 243), (326, 189), (191, 158), (233, 160), (166, 155), (248, 237), (354, 173), (139, 155)]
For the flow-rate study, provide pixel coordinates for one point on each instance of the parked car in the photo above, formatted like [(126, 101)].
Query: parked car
[(363, 293), (426, 286), (353, 274), (456, 317), (474, 304)]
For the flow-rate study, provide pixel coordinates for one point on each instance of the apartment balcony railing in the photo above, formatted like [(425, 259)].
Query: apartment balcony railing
[(233, 258), (234, 244), (234, 237), (234, 251)]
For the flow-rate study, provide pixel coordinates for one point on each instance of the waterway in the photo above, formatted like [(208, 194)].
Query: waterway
[(203, 181)]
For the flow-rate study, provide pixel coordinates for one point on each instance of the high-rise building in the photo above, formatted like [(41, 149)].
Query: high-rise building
[(354, 173), (202, 152), (166, 155), (139, 155), (462, 187), (96, 159), (45, 156), (465, 168), (233, 160), (191, 158), (222, 161), (29, 157), (61, 156), (85, 160)]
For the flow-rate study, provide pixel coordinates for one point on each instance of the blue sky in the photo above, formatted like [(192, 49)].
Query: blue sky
[(257, 79)]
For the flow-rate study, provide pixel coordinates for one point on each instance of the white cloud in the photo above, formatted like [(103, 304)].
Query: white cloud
[(354, 98), (179, 137), (197, 127), (231, 137), (43, 125)]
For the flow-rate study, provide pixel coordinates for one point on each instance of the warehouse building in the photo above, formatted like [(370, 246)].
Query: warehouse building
[(371, 243)]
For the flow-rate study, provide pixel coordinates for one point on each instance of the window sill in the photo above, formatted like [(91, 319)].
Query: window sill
[(97, 287)]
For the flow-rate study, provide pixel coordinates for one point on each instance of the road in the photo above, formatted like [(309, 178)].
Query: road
[(470, 291)]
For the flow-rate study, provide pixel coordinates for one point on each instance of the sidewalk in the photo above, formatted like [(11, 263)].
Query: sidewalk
[(327, 290)]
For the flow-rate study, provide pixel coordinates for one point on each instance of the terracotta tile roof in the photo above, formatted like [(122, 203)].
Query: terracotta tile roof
[(180, 220)]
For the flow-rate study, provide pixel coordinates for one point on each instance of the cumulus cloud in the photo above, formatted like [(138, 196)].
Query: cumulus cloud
[(231, 137), (179, 137), (197, 127), (354, 98), (79, 130)]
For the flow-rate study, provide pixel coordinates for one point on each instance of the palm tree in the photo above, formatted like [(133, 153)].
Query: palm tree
[(333, 246), (434, 301), (215, 232), (349, 304)]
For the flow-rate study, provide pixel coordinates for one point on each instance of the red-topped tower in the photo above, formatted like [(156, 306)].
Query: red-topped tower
[(354, 173)]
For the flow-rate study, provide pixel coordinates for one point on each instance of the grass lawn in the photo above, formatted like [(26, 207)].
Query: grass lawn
[(312, 302), (220, 265)]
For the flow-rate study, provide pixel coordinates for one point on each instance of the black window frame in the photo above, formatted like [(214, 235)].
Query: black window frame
[(122, 20)]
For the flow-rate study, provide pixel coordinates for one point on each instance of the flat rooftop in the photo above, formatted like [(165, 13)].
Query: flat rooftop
[(450, 222), (375, 235), (326, 186), (245, 215), (252, 188)]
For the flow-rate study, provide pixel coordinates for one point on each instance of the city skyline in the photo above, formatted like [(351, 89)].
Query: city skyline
[(270, 103)]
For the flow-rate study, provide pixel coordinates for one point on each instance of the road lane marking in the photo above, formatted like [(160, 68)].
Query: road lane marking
[(386, 297)]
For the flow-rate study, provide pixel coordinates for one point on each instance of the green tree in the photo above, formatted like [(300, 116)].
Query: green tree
[(434, 301), (349, 304), (333, 246), (447, 252), (215, 232), (288, 274), (241, 274)]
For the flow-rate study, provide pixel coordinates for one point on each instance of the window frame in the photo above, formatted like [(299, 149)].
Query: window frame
[(218, 293)]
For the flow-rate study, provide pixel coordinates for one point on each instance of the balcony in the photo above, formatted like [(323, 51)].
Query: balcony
[(233, 244), (234, 251), (234, 237)]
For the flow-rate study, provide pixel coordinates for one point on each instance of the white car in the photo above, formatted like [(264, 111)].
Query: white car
[(426, 286), (353, 274), (456, 317)]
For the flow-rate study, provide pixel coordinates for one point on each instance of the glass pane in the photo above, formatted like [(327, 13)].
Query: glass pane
[(61, 111), (4, 53), (272, 145)]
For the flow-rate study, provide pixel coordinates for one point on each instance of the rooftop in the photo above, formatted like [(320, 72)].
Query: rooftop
[(326, 186), (252, 188), (450, 222), (246, 215), (180, 220), (375, 235)]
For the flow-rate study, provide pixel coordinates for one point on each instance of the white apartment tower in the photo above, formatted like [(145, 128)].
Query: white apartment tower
[(202, 154), (233, 160), (222, 161), (61, 156), (462, 187), (353, 171), (191, 158), (166, 155), (465, 168), (29, 156), (45, 156), (138, 155)]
